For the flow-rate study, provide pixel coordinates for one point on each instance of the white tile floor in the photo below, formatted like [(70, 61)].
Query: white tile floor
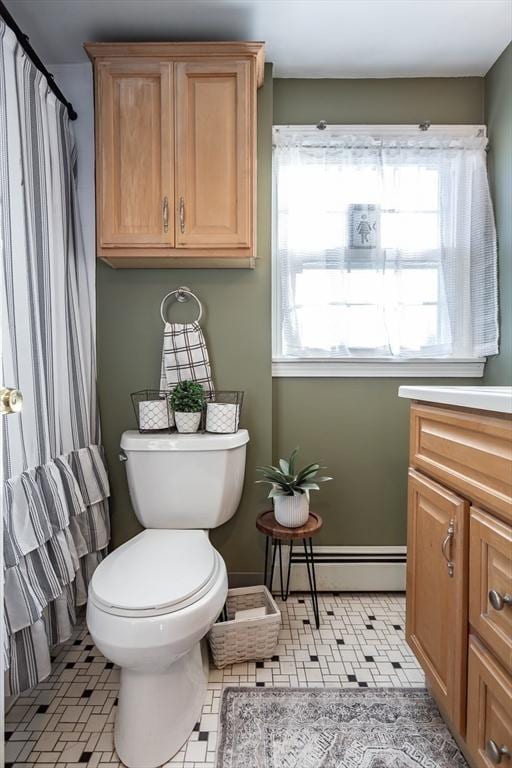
[(67, 721)]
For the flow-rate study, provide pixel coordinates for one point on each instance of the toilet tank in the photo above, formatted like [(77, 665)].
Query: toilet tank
[(184, 481)]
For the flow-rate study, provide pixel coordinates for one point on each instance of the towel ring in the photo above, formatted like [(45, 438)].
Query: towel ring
[(182, 294)]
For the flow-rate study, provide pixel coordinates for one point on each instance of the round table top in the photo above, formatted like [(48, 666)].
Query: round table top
[(267, 524)]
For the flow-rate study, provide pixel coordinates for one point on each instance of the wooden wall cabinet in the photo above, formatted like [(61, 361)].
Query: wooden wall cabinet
[(459, 572), (176, 153)]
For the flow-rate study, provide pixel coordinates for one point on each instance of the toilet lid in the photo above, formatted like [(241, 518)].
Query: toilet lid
[(156, 570)]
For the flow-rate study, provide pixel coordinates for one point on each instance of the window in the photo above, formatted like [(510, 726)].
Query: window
[(384, 249)]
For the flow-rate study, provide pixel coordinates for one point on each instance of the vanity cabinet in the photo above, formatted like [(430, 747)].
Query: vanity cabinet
[(436, 589), (459, 571), (489, 708), (176, 153)]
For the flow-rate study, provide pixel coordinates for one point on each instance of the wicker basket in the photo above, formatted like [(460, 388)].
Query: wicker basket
[(248, 639)]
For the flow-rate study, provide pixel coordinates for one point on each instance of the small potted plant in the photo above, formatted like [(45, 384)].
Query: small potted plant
[(290, 489), (187, 402)]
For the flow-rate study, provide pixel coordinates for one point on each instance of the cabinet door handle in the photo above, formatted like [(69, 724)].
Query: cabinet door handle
[(446, 547), (165, 213), (182, 215), (496, 753), (498, 601)]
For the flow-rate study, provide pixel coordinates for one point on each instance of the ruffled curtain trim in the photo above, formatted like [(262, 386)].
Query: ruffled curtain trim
[(56, 531), (27, 653), (40, 577), (41, 501)]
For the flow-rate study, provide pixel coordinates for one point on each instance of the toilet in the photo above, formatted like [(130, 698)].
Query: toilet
[(153, 600)]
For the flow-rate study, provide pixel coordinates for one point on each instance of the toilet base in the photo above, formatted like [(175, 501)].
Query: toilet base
[(157, 710)]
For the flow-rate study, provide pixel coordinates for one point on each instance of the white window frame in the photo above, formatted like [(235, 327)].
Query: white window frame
[(300, 367)]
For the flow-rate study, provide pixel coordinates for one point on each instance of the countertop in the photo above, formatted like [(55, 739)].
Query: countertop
[(498, 399)]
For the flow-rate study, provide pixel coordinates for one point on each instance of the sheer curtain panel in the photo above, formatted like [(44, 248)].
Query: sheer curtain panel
[(55, 503), (385, 246)]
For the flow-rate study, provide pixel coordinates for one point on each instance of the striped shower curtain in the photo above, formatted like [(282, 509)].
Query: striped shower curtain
[(55, 503)]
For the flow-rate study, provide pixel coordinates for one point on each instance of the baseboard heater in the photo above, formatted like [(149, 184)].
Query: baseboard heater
[(348, 569)]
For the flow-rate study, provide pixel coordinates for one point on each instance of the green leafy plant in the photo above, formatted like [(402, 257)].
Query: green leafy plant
[(286, 481), (187, 397)]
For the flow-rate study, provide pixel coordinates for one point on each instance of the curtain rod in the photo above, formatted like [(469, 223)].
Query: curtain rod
[(23, 40), (386, 130)]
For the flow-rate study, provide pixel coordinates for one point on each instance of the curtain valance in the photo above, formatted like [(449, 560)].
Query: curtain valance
[(385, 246)]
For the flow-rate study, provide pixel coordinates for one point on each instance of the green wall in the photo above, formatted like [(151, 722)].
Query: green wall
[(498, 116), (359, 427), (393, 100), (237, 328)]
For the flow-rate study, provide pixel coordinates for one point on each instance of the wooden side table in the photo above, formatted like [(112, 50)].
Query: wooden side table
[(276, 534)]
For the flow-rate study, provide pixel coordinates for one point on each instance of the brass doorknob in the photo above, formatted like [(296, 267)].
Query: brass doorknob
[(11, 400)]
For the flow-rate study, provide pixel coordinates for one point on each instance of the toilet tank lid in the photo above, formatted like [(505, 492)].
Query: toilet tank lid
[(173, 441)]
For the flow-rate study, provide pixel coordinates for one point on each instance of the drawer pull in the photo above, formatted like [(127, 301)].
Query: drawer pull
[(165, 214), (182, 215), (446, 547), (496, 753), (498, 601)]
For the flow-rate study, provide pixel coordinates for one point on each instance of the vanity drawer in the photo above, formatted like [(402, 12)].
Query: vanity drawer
[(469, 452), (489, 722), (490, 583)]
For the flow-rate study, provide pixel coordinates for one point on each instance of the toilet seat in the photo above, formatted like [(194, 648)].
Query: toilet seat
[(157, 572)]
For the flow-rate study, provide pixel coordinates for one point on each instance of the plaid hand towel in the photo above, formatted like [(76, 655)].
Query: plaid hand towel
[(185, 356)]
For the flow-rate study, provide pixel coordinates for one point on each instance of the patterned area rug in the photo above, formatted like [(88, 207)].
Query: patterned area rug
[(334, 728)]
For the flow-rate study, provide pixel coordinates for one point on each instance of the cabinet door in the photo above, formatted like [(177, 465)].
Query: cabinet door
[(215, 160), (490, 583), (135, 146), (489, 732), (436, 626)]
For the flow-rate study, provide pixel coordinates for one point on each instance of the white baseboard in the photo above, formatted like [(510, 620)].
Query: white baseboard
[(347, 569)]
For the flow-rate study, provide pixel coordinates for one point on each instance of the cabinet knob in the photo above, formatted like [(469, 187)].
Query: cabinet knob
[(498, 601), (11, 400), (496, 753)]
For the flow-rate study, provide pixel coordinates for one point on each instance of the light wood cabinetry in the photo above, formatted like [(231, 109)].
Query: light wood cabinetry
[(176, 153), (470, 452), (489, 709), (437, 554), (459, 571), (135, 154), (214, 163), (490, 583)]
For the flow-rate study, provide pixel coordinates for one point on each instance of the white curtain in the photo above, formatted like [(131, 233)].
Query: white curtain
[(55, 507), (385, 247)]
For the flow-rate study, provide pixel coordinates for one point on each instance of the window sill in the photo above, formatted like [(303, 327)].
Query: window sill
[(378, 368)]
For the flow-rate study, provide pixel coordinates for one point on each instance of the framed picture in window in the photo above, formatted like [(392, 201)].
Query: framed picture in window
[(364, 226)]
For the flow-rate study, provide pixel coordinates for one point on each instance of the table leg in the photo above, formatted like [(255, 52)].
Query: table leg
[(310, 565), (265, 572), (287, 592), (271, 580), (280, 568)]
